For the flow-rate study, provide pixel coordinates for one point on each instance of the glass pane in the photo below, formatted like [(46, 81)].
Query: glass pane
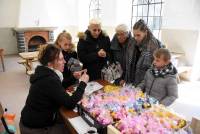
[(150, 23), (139, 10), (145, 10), (157, 10), (145, 19), (133, 21), (158, 0), (140, 1), (156, 21), (145, 1), (156, 33), (151, 10), (134, 10), (135, 2)]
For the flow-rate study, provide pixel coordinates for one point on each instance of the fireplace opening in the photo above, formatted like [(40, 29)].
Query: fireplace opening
[(35, 42)]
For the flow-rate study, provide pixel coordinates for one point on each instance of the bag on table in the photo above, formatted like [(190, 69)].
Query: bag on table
[(111, 71)]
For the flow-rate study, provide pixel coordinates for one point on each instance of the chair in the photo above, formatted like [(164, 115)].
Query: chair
[(3, 120), (2, 58)]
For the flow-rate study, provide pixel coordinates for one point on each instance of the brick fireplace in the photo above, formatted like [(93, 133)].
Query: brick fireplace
[(29, 39)]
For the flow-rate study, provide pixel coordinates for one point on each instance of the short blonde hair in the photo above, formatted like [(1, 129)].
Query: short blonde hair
[(94, 22), (121, 28)]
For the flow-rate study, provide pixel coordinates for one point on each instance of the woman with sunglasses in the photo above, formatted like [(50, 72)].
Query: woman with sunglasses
[(93, 49)]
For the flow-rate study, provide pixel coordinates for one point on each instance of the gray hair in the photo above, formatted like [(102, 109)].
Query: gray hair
[(121, 28), (95, 22)]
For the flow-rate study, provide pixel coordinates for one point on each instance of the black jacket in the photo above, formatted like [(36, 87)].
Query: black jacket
[(46, 96), (88, 48), (67, 74)]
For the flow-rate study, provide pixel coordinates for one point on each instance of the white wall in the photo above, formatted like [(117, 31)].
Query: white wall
[(8, 41), (181, 30), (181, 14), (9, 10), (46, 13)]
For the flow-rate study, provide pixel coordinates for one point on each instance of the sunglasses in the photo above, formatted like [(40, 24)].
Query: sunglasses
[(96, 30)]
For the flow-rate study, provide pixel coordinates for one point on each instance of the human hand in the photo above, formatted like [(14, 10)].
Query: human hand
[(101, 53), (84, 77), (122, 82)]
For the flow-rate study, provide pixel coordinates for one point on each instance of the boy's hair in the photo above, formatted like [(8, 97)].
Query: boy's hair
[(162, 52), (66, 35)]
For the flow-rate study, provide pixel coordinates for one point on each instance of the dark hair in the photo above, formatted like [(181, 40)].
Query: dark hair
[(162, 52), (48, 53), (142, 26)]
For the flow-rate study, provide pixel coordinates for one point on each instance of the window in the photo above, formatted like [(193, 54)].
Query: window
[(150, 11), (95, 9)]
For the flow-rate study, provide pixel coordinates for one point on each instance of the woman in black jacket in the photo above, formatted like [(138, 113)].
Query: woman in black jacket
[(47, 95), (94, 49)]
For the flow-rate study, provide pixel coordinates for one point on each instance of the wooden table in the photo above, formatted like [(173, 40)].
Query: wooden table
[(67, 114), (29, 57)]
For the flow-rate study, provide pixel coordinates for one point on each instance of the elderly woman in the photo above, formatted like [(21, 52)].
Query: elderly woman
[(93, 49), (144, 49), (46, 95), (122, 48)]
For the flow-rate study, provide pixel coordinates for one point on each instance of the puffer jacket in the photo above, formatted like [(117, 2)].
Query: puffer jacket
[(88, 48), (164, 89)]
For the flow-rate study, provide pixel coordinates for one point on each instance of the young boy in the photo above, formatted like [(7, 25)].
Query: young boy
[(160, 80)]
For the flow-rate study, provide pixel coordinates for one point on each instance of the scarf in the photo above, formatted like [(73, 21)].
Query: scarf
[(168, 69)]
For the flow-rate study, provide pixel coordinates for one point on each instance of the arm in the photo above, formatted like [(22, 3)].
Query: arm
[(172, 92), (68, 80), (83, 55), (141, 85), (57, 93)]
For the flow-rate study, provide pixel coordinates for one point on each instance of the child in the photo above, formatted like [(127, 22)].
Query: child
[(160, 80), (64, 41)]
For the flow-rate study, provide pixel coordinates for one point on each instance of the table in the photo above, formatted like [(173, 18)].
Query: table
[(28, 58), (67, 114)]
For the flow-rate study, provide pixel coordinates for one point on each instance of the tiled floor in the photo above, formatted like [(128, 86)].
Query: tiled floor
[(14, 87)]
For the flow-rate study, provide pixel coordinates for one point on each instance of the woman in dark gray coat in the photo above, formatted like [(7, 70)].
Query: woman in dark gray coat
[(122, 48), (143, 52)]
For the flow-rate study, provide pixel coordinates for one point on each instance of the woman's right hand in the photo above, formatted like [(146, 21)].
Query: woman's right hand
[(84, 77), (122, 82)]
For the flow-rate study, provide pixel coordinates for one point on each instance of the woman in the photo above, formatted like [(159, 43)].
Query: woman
[(94, 49), (47, 95), (146, 44), (122, 48), (64, 41)]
